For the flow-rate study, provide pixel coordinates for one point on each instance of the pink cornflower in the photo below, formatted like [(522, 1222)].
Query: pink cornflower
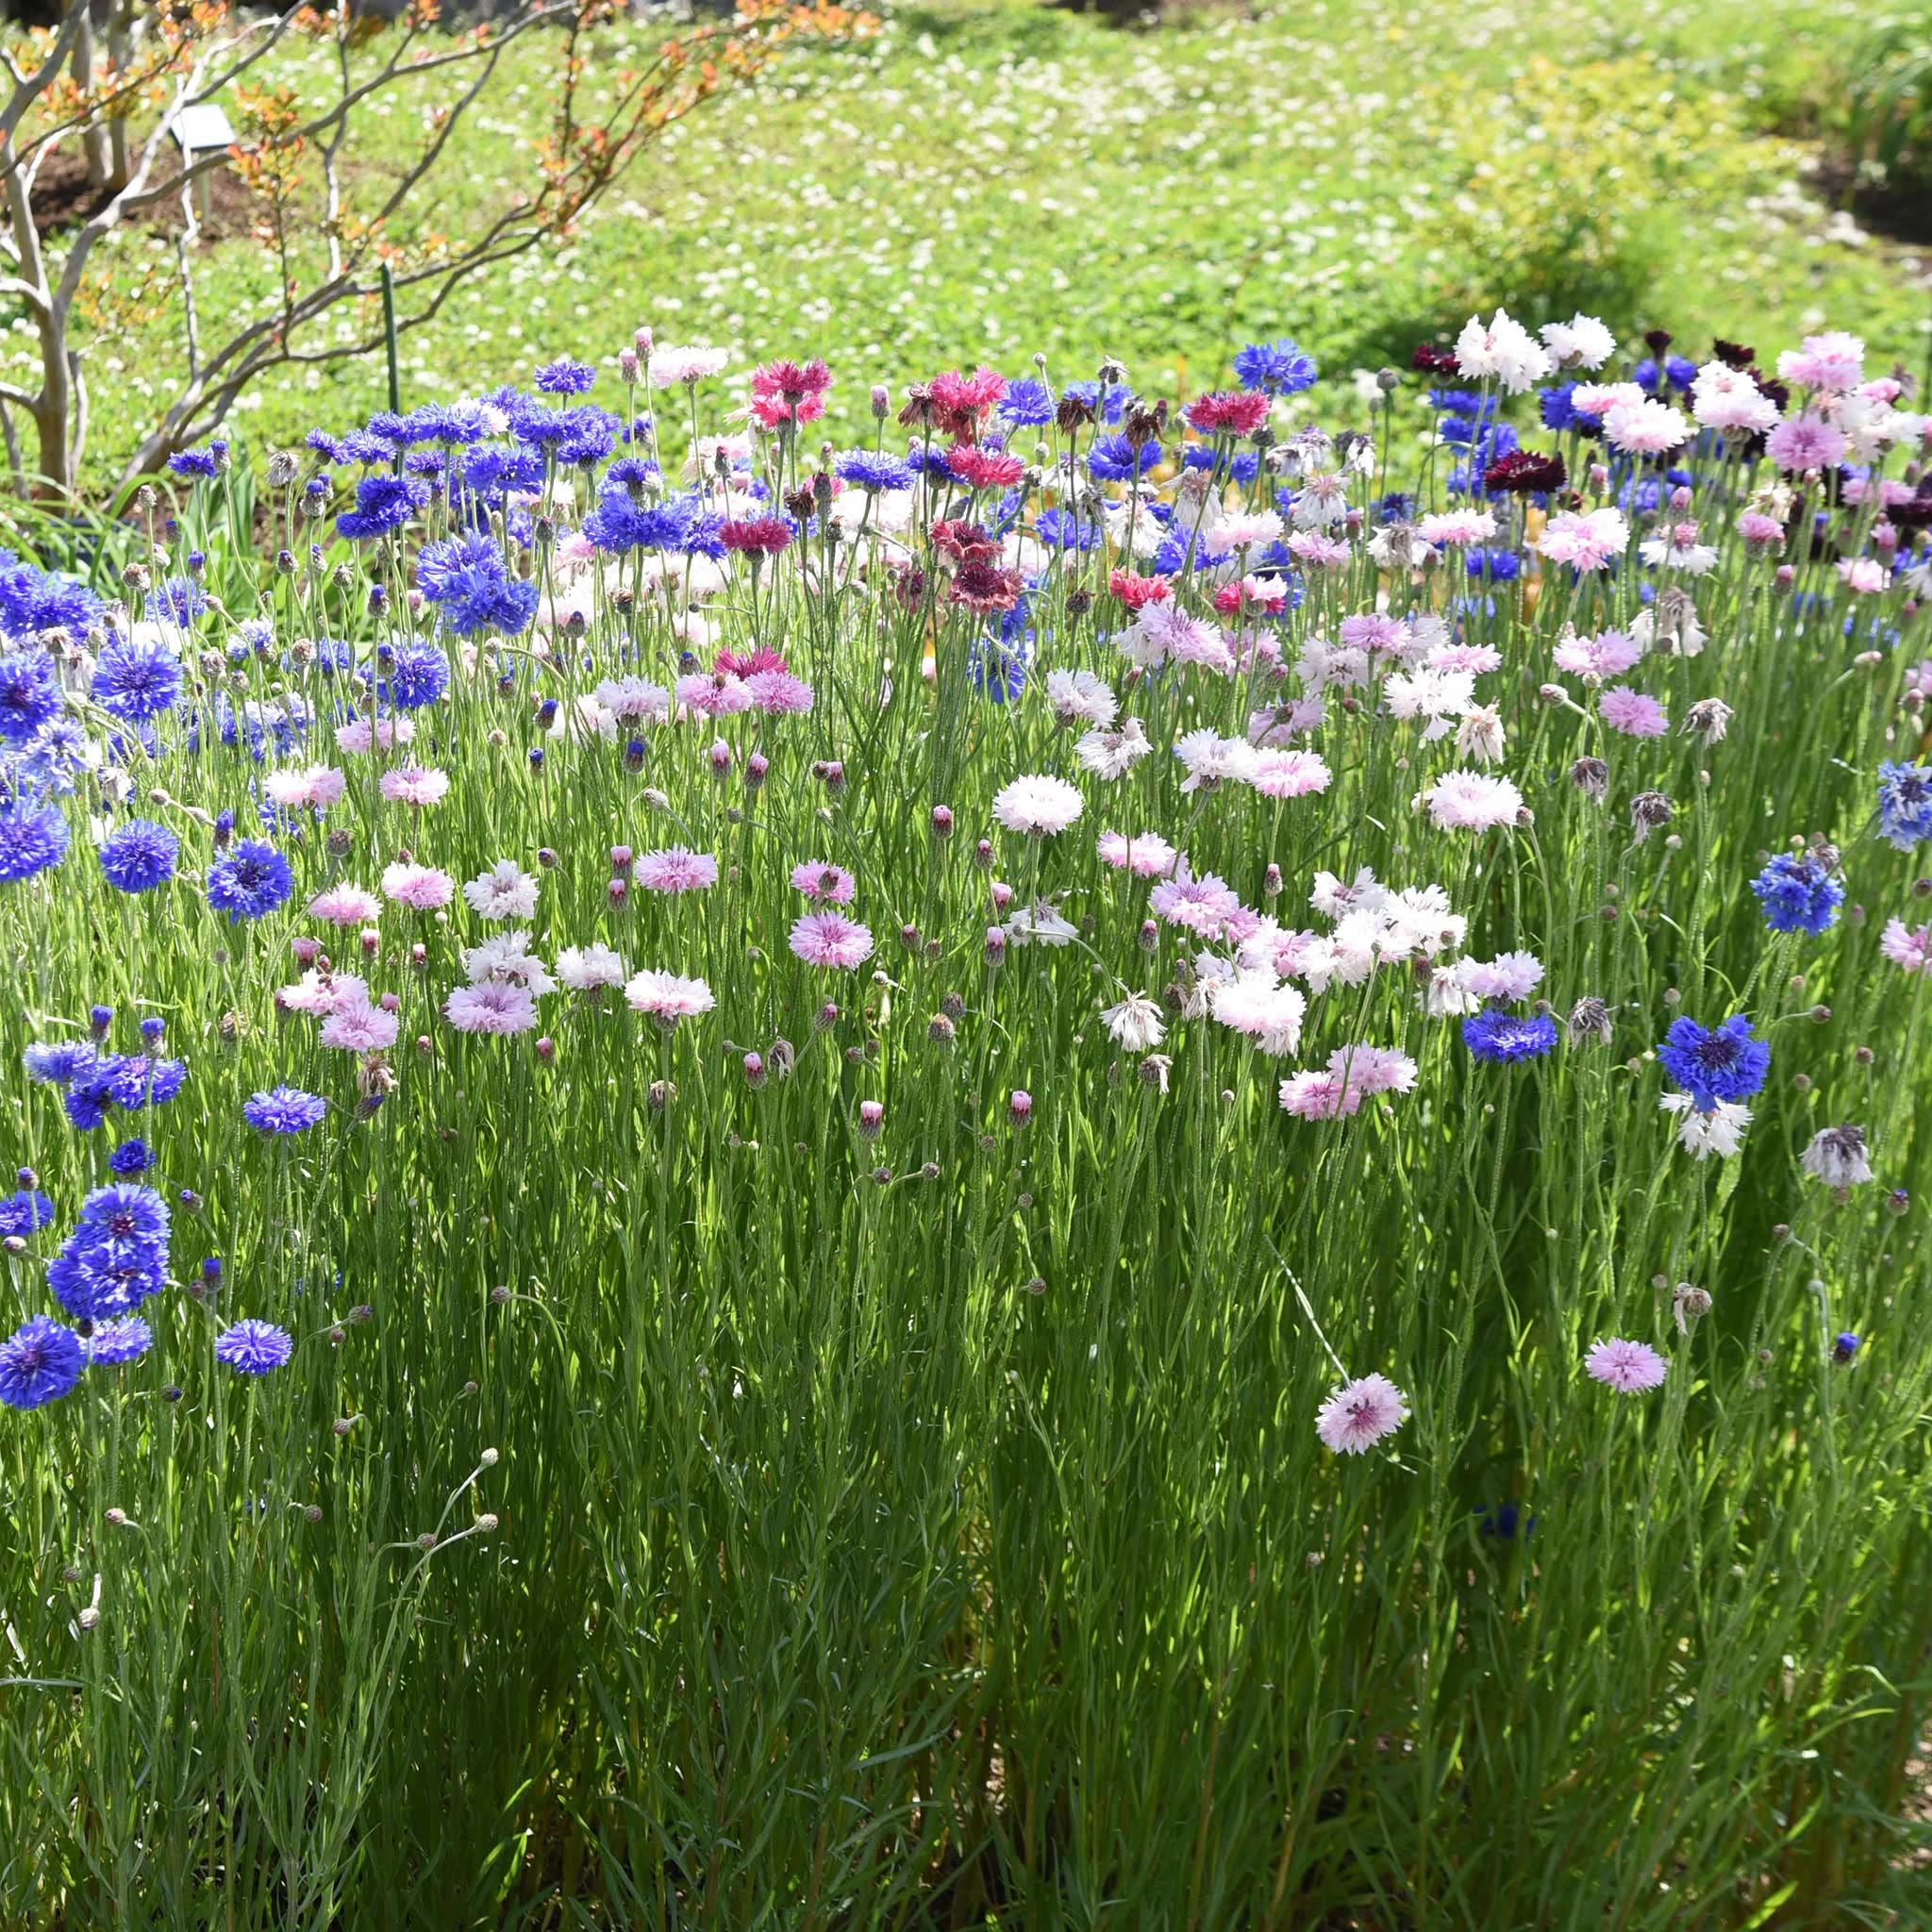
[(669, 365), (415, 785), (1759, 530), (1227, 412), (1453, 527), (1318, 551), (1289, 773), (1040, 804), (1604, 655), (1163, 629), (1148, 857), (497, 1008), (1805, 442), (1507, 977), (1373, 1068), (1360, 1413), (1319, 1096), (299, 788), (667, 998), (1463, 659), (829, 939), (1631, 1368), (984, 469), (713, 694), (345, 905), (318, 993), (1375, 634), (358, 1027), (1203, 905), (421, 887), (634, 699), (1632, 712), (675, 869), (1909, 947), (1862, 575), (1834, 360), (1587, 540), (1243, 530), (777, 693), (1599, 398), (830, 884), (1472, 802), (1645, 428), (362, 734)]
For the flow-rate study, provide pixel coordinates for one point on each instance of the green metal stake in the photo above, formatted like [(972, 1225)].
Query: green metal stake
[(389, 339)]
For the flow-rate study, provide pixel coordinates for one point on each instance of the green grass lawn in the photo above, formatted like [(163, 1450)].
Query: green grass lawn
[(986, 180)]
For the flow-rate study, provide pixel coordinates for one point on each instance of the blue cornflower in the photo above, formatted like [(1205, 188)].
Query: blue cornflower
[(40, 1362), (1496, 1034), (255, 1347), (134, 1079), (1556, 408), (29, 694), (1845, 1347), (55, 1062), (1026, 405), (633, 473), (1798, 895), (131, 1157), (284, 1110), (137, 679), (1280, 367), (25, 1212), (873, 470), (1905, 804), (1059, 529), (564, 378), (117, 1254), (34, 600), (53, 761), (365, 447), (1502, 1521), (1725, 1062), (140, 855), (448, 423), (466, 577), (1114, 460), (194, 465), (249, 880), (420, 676), (1492, 566), (180, 598), (121, 1340), (383, 505), (32, 838)]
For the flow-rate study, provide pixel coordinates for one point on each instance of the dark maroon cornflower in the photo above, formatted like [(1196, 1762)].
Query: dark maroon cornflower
[(1432, 360), (982, 587), (1146, 423), (1657, 340), (754, 536), (1070, 413), (1733, 354), (1526, 472), (801, 503), (963, 542)]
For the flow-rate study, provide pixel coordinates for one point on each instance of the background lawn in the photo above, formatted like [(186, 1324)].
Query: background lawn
[(989, 180)]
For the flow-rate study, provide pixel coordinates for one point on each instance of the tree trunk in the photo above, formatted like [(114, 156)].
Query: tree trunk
[(120, 52), (93, 137), (52, 414)]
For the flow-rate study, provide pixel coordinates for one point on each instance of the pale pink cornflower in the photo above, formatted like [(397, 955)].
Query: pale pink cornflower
[(364, 734), (669, 365), (1646, 428), (1600, 399), (1162, 630), (319, 993), (1863, 577), (829, 939), (1472, 802), (778, 695), (1480, 735), (1251, 1004), (1631, 1368), (590, 969), (1582, 343), (415, 785), (1211, 759), (1761, 531), (634, 699), (1318, 551), (1633, 712), (1507, 977), (1078, 697), (494, 1007), (1678, 550), (1456, 528), (1319, 1096), (1135, 1022), (1202, 906), (1606, 655), (1469, 659), (1909, 947), (504, 891), (1040, 804), (1837, 1157), (421, 887), (675, 869), (1289, 773), (507, 956), (345, 905), (1373, 1069), (1834, 360), (358, 1027), (1375, 634), (1038, 925), (1360, 1413), (298, 788), (1587, 540), (831, 884), (1204, 647), (667, 998), (1112, 754), (1501, 349), (1282, 725), (1805, 442), (1727, 399), (1148, 857), (1243, 529)]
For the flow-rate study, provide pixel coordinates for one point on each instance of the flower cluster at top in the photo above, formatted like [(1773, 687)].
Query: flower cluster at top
[(1106, 670)]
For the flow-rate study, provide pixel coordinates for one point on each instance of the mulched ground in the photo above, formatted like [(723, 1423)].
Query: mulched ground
[(64, 198)]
